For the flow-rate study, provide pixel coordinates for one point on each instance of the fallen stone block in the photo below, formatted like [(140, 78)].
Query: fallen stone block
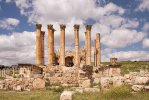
[(118, 80), (17, 88), (106, 82), (137, 88), (38, 83), (85, 84), (141, 80), (66, 95), (146, 88)]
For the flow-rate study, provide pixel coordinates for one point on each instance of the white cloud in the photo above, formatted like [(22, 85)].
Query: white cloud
[(116, 30), (122, 37), (17, 48), (63, 10), (130, 23), (146, 27), (131, 55), (9, 23), (143, 5), (146, 43), (107, 53)]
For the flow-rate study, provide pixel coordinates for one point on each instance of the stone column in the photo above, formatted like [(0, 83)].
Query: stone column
[(13, 71), (62, 45), (88, 33), (98, 49), (95, 53), (85, 47), (0, 72), (76, 40), (38, 44), (4, 72), (85, 40), (42, 47), (50, 44)]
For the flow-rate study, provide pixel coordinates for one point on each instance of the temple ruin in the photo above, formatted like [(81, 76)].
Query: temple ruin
[(62, 59), (70, 67), (66, 68)]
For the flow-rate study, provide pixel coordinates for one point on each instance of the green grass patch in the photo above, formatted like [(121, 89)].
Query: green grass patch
[(115, 93), (32, 95), (129, 66)]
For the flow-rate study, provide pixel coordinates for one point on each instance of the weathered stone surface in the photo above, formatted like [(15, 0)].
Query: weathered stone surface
[(137, 78), (118, 80), (91, 90), (86, 84), (1, 84), (17, 88), (146, 88), (106, 82), (38, 83), (141, 80), (96, 80), (66, 95), (137, 88)]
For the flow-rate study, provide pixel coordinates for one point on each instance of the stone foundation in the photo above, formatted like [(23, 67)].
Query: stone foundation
[(70, 76)]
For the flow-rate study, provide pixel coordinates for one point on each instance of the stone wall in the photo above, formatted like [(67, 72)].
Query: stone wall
[(70, 76), (20, 84), (139, 81), (29, 70), (65, 77)]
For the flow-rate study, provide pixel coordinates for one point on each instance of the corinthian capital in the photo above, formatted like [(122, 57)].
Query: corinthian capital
[(62, 26), (50, 26), (88, 27), (76, 27), (38, 26)]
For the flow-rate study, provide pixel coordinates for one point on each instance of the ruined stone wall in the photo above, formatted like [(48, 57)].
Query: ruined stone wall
[(29, 70), (65, 77)]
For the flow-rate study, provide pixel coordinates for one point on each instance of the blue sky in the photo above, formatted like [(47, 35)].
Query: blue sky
[(123, 25)]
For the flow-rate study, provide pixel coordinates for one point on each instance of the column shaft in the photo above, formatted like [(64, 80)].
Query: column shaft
[(62, 45), (76, 40), (95, 53), (50, 44), (42, 47), (38, 44), (85, 47), (88, 33), (98, 49)]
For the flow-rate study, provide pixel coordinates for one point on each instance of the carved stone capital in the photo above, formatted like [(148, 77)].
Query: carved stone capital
[(62, 26), (38, 26), (88, 27), (97, 34), (76, 27), (50, 27)]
